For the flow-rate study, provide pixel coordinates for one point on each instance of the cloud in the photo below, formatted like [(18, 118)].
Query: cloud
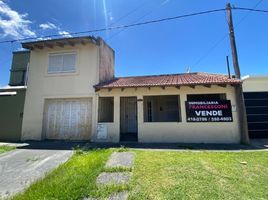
[(110, 15), (13, 23), (48, 25), (43, 38), (20, 49), (65, 33)]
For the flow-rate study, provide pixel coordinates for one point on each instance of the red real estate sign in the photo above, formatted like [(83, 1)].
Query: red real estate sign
[(209, 111)]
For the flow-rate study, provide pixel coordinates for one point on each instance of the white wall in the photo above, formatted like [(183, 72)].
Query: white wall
[(212, 132), (106, 62), (255, 84)]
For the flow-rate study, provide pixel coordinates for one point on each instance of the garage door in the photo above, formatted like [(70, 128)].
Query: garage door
[(68, 119), (257, 113)]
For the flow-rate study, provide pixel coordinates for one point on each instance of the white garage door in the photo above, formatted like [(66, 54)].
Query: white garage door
[(68, 119)]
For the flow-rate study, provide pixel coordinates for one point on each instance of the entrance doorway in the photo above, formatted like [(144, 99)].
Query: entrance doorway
[(128, 119)]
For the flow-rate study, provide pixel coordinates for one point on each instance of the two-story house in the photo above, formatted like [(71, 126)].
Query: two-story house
[(61, 102), (72, 94)]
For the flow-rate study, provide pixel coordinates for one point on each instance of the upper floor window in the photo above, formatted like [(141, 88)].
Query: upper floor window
[(61, 63)]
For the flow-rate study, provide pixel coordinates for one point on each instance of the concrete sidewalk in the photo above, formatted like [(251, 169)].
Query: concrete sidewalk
[(21, 167), (255, 145)]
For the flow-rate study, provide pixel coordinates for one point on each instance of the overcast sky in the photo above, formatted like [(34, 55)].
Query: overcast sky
[(197, 43)]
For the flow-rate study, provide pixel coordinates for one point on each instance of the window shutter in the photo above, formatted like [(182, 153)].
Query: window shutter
[(55, 63), (69, 62), (59, 63)]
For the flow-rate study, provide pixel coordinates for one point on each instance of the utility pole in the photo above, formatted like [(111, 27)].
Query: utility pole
[(228, 67), (240, 104)]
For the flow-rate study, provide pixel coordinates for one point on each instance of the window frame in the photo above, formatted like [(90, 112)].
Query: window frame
[(62, 53), (111, 121), (179, 109)]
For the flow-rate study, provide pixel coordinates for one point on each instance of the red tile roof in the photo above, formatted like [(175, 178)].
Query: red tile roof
[(198, 78)]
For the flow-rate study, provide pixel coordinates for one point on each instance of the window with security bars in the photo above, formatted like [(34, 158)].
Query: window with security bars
[(165, 108), (106, 109), (62, 63)]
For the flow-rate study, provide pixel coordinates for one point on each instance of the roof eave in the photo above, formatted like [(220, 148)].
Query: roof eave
[(59, 42), (174, 85)]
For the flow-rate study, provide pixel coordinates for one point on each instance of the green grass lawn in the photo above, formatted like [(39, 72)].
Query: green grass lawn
[(74, 179), (5, 148), (161, 175), (200, 175)]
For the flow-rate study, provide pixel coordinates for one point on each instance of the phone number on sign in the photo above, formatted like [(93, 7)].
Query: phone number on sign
[(209, 119)]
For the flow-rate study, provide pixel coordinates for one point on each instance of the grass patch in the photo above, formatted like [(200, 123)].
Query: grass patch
[(117, 169), (6, 148), (106, 191), (74, 179), (199, 175), (160, 175), (81, 150), (122, 148)]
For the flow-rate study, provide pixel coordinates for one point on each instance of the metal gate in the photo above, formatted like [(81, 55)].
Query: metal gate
[(257, 113), (68, 119)]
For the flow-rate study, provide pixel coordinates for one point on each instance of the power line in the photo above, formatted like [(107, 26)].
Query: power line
[(130, 13), (123, 17), (211, 49), (132, 25), (225, 35), (145, 15), (108, 38), (250, 9), (248, 13), (120, 26)]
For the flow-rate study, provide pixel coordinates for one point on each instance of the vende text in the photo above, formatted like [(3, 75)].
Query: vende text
[(209, 113)]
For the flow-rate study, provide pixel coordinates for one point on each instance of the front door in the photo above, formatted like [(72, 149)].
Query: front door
[(128, 119)]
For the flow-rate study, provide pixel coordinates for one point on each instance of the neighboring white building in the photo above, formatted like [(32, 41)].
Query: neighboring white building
[(255, 83), (255, 89)]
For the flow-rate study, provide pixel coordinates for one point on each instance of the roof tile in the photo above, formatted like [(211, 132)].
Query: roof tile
[(198, 78)]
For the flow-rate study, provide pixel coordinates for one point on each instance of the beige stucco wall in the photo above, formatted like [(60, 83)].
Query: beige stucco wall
[(255, 84), (106, 62), (66, 85), (216, 132)]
